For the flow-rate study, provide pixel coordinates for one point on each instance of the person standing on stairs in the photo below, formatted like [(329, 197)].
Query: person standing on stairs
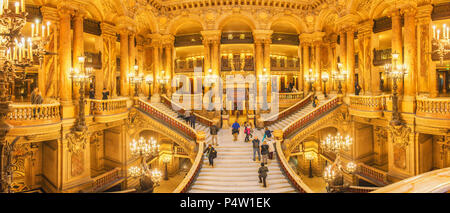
[(256, 147), (265, 152), (187, 117), (262, 171), (211, 153), (267, 133), (247, 131), (213, 130), (193, 118), (235, 130)]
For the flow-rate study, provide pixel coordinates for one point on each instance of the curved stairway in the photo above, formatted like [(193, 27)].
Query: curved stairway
[(234, 169)]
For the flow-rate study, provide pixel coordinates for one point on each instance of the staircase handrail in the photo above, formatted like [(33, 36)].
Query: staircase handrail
[(193, 172), (203, 120), (274, 118)]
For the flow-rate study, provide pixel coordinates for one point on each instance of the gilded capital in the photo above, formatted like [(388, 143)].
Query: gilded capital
[(211, 35)]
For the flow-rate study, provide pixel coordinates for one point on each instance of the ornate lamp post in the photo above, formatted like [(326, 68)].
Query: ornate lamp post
[(166, 159), (396, 72), (310, 79), (441, 41), (333, 173), (81, 77), (325, 78), (163, 80), (145, 149), (136, 79), (340, 77), (310, 156), (149, 81)]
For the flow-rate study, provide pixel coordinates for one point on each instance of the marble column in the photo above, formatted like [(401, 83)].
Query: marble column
[(410, 51), (207, 55), (370, 78), (156, 50), (109, 65), (48, 73), (397, 42), (318, 66), (78, 46), (350, 60), (426, 78), (168, 42), (343, 54), (300, 72), (64, 54), (306, 63), (124, 65)]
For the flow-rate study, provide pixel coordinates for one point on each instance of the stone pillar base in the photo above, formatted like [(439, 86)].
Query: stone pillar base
[(156, 98)]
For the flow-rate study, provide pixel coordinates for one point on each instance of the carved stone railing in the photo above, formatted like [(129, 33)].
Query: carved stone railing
[(180, 109), (311, 116), (375, 175), (436, 181), (285, 113), (433, 107), (104, 180), (290, 96), (193, 172), (361, 189), (167, 119), (367, 106), (289, 172), (33, 114), (108, 107)]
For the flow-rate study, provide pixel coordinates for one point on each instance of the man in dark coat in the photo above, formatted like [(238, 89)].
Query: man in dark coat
[(213, 130), (211, 153), (193, 118), (262, 171), (255, 143)]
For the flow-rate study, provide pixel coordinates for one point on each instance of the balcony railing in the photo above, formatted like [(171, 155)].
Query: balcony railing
[(33, 114), (193, 172), (180, 109), (434, 108), (290, 96), (368, 103), (377, 176), (308, 118), (285, 113), (290, 64), (361, 189), (108, 107), (167, 119), (105, 180)]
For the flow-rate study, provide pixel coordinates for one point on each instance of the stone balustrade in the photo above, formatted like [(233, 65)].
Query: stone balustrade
[(290, 96), (180, 109), (285, 113), (104, 180), (361, 189), (311, 116), (375, 175), (193, 172), (33, 114), (368, 106), (108, 107), (167, 119), (433, 107)]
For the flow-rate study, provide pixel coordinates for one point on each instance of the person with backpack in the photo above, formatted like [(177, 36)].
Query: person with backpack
[(211, 153), (267, 133), (255, 143), (247, 131), (265, 152), (235, 130), (213, 130), (262, 174)]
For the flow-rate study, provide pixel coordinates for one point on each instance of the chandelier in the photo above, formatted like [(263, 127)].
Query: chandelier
[(442, 42), (264, 78), (340, 77), (333, 174), (396, 72), (144, 149), (310, 78)]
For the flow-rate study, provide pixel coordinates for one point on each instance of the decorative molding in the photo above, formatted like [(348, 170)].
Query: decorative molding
[(400, 135), (77, 140)]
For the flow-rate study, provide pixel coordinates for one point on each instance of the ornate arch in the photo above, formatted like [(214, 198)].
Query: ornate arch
[(293, 20), (246, 18), (178, 21)]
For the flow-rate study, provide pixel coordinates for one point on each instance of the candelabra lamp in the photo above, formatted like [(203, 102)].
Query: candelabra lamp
[(325, 78), (340, 77), (144, 149), (333, 173), (166, 160), (136, 79), (310, 156), (441, 39), (81, 77), (211, 79), (310, 79), (396, 72), (149, 81), (163, 80), (263, 80)]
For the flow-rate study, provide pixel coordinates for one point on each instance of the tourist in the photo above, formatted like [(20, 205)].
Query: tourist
[(262, 171), (211, 153), (193, 118), (187, 117), (271, 144), (105, 94), (265, 152), (256, 147), (39, 99), (247, 131), (315, 102), (92, 93), (267, 133), (235, 130), (213, 130)]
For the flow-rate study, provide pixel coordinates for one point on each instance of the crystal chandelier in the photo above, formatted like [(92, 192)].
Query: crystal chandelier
[(144, 149), (310, 78), (441, 41), (333, 173)]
